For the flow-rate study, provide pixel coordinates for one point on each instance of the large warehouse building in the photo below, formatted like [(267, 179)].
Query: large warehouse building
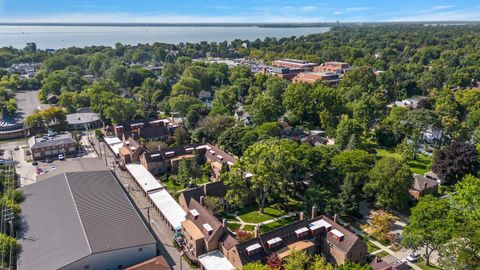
[(81, 220)]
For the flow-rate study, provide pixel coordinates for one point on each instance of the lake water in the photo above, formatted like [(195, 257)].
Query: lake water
[(55, 37)]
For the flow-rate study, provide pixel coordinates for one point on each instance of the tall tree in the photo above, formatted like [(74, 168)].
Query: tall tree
[(455, 161), (269, 163), (389, 183), (428, 225)]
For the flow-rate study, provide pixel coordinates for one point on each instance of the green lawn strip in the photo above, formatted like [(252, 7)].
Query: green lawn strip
[(250, 228), (250, 213), (382, 254), (171, 186), (371, 247)]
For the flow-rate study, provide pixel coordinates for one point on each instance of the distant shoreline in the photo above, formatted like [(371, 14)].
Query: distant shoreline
[(260, 25)]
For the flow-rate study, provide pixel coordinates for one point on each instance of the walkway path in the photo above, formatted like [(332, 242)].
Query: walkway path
[(243, 223)]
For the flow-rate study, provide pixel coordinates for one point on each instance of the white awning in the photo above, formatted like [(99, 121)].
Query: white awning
[(169, 208), (215, 261), (143, 177)]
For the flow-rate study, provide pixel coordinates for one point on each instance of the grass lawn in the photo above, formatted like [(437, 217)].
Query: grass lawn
[(171, 186), (233, 226), (382, 254), (423, 264), (250, 213), (419, 166), (276, 224), (371, 247), (250, 228)]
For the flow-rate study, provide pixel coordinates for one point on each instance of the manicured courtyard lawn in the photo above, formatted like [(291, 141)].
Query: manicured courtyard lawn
[(233, 226), (250, 213), (171, 186), (276, 224), (250, 228), (419, 166)]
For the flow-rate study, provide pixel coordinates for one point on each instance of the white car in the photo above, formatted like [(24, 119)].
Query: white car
[(413, 257), (61, 157)]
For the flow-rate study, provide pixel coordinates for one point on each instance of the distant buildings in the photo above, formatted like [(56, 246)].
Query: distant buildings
[(423, 185), (294, 63), (51, 145), (313, 77), (81, 220), (334, 67), (147, 129)]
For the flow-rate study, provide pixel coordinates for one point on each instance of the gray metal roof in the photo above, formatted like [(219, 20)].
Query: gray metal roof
[(70, 216)]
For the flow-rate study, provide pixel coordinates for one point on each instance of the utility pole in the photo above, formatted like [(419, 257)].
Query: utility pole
[(105, 155)]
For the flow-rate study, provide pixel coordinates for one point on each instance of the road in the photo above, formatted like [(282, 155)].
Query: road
[(160, 229)]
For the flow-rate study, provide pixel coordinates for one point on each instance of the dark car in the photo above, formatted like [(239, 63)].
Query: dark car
[(49, 160)]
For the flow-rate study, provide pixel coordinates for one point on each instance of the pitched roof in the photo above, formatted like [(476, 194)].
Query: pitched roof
[(70, 216), (288, 237), (420, 181), (157, 263), (215, 189), (204, 217), (219, 153)]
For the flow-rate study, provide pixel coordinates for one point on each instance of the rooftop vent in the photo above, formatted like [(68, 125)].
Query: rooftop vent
[(194, 213), (252, 249), (337, 234), (208, 228), (301, 232), (274, 242)]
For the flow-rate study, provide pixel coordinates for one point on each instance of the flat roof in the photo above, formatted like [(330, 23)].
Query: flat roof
[(300, 245), (82, 118), (143, 177), (114, 143), (170, 209), (215, 261)]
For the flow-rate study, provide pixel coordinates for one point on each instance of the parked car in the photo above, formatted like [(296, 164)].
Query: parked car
[(16, 147), (61, 157), (40, 171), (34, 163), (413, 257), (49, 160)]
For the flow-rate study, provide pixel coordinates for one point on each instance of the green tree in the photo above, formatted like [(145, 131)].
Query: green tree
[(346, 129), (389, 183), (213, 204), (255, 266), (237, 192), (269, 163), (296, 260), (428, 225), (264, 108), (297, 101)]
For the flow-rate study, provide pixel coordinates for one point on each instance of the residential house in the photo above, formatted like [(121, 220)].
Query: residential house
[(130, 151), (51, 145), (146, 129), (317, 235), (201, 230), (423, 185), (214, 189), (432, 135), (434, 176), (166, 160), (217, 159)]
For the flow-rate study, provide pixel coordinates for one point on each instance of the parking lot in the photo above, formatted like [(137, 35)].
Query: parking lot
[(30, 172)]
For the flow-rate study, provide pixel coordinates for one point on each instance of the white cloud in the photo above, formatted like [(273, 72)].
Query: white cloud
[(443, 7), (351, 10), (308, 8), (454, 15)]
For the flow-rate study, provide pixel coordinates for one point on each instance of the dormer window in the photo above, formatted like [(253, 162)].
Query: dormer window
[(220, 158), (208, 228), (251, 250), (170, 153), (301, 232), (212, 152), (337, 234), (194, 214), (274, 242)]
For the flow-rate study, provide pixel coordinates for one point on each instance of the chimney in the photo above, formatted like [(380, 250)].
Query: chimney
[(224, 223), (302, 216), (255, 231), (335, 218), (314, 211), (202, 198), (425, 187)]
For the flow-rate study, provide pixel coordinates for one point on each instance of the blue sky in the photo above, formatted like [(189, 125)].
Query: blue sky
[(236, 11)]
